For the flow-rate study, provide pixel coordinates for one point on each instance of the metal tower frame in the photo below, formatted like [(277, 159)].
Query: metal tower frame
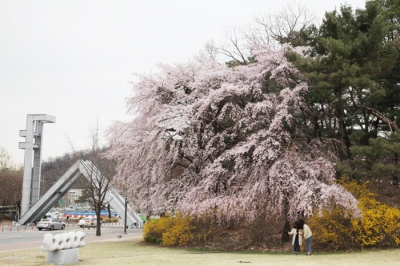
[(33, 146)]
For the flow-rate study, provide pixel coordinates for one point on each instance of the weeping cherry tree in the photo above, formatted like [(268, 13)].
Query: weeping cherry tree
[(231, 140)]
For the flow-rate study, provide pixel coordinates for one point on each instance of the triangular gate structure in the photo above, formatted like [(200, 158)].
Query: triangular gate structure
[(61, 187)]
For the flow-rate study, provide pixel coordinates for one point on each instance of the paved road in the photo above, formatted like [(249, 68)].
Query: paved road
[(27, 239)]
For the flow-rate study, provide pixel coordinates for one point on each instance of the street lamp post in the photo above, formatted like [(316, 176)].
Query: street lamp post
[(126, 207)]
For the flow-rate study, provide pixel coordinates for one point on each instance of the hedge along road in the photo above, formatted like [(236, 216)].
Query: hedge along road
[(133, 252)]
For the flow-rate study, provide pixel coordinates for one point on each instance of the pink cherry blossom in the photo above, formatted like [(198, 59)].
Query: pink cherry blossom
[(208, 137)]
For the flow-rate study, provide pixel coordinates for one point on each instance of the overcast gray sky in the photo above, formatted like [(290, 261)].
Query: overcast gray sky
[(74, 59)]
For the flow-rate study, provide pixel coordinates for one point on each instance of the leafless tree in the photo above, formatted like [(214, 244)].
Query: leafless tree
[(100, 171), (11, 191), (273, 29), (10, 182), (284, 26), (209, 52), (235, 46), (6, 163)]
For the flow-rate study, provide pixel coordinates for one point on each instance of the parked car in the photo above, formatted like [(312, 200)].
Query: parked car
[(86, 222), (50, 224)]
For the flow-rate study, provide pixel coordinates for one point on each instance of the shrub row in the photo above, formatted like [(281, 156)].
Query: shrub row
[(180, 230), (109, 220), (333, 228), (210, 232), (378, 227)]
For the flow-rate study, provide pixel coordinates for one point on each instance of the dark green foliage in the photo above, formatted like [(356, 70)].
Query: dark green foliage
[(379, 158), (153, 240), (353, 74)]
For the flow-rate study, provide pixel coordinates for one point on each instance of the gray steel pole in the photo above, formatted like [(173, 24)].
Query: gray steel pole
[(126, 212)]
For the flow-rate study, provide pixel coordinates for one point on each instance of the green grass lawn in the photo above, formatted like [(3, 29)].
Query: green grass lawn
[(131, 252)]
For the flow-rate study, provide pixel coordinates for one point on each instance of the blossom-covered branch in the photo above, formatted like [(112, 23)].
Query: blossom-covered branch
[(229, 139)]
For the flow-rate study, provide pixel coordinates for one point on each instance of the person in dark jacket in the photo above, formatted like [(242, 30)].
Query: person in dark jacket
[(307, 235), (297, 240)]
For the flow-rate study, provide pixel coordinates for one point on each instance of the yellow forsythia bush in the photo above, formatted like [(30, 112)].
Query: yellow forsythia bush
[(154, 229), (378, 227), (331, 230), (180, 230)]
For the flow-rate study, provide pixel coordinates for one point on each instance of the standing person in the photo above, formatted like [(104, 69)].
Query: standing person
[(67, 218), (297, 237), (307, 235)]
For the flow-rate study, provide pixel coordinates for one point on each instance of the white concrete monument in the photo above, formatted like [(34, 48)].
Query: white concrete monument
[(33, 147), (62, 249)]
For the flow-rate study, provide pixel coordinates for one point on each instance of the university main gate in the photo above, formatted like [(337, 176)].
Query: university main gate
[(32, 206)]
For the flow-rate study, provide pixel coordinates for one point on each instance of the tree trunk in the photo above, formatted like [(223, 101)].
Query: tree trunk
[(98, 229), (286, 226), (285, 230), (340, 116), (109, 210)]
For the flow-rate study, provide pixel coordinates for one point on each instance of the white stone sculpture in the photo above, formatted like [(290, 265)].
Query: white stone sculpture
[(63, 248), (63, 241), (74, 239), (67, 240)]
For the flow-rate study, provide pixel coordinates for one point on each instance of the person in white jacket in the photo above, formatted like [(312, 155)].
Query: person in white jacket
[(297, 240), (307, 235)]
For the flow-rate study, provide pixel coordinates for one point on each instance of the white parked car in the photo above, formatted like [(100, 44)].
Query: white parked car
[(50, 224), (86, 222)]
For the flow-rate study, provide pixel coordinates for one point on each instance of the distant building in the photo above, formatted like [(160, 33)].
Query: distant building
[(71, 197)]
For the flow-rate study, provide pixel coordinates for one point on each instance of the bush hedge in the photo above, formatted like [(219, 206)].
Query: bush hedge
[(333, 228), (378, 227), (179, 230), (109, 220)]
